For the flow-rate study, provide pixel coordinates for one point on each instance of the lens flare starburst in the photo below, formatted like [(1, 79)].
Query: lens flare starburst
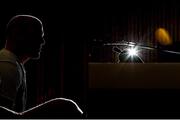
[(133, 51)]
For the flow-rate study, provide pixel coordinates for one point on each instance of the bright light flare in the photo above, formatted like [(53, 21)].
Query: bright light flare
[(132, 52)]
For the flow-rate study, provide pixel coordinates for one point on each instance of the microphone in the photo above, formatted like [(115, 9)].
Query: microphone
[(116, 49)]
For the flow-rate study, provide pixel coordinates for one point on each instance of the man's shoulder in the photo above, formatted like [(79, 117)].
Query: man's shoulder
[(7, 61), (7, 56), (8, 66)]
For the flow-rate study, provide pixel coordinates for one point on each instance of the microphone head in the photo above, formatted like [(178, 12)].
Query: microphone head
[(116, 49)]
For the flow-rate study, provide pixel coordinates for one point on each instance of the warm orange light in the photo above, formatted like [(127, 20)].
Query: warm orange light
[(163, 37)]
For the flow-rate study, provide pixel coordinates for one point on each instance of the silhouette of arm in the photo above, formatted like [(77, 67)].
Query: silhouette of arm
[(55, 108), (9, 80)]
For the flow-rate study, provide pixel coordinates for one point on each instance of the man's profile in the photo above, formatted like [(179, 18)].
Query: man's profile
[(24, 39)]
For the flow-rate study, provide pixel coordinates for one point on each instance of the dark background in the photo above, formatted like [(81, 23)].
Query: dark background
[(62, 69)]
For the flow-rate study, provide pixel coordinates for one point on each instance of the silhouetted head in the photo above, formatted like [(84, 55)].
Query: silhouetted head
[(24, 36)]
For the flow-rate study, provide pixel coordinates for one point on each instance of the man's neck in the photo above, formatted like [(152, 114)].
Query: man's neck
[(22, 58)]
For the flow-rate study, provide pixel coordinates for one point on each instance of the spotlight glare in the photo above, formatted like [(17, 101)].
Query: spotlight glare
[(132, 52)]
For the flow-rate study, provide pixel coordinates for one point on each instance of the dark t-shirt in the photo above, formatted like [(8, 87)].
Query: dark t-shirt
[(12, 82)]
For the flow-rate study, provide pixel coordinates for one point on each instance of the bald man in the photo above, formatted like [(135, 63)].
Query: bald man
[(24, 40)]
